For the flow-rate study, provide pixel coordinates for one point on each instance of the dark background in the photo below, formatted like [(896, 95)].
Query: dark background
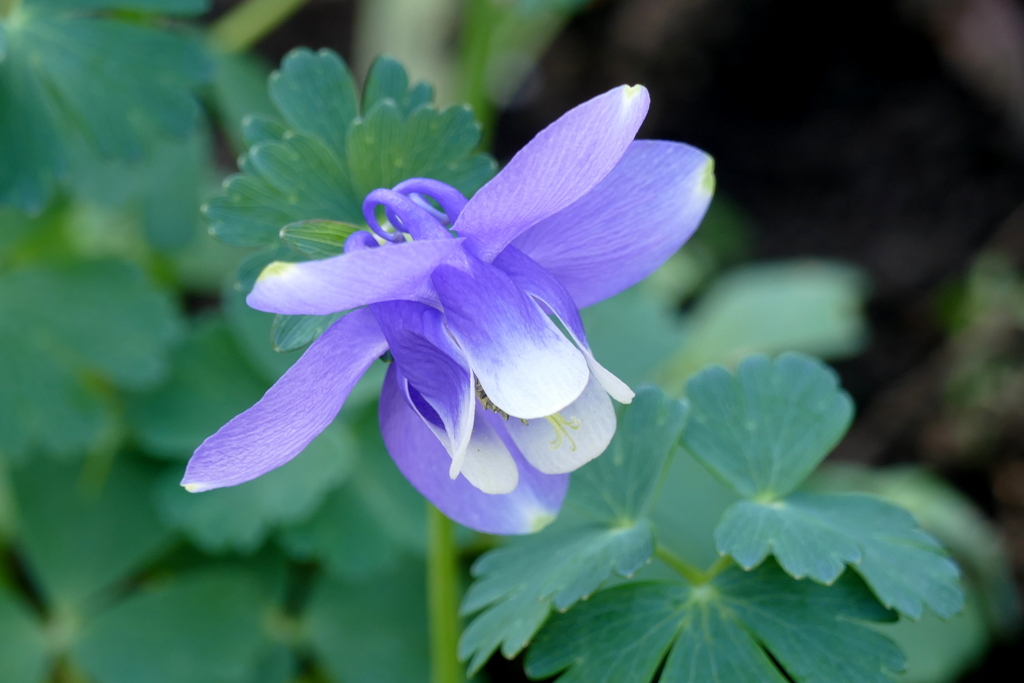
[(862, 130)]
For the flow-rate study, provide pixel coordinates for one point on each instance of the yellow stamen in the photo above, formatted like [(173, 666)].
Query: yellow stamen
[(561, 425)]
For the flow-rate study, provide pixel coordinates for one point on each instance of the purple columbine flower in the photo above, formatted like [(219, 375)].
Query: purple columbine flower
[(488, 404)]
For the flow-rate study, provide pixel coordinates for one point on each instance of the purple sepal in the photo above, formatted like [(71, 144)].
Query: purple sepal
[(293, 411)]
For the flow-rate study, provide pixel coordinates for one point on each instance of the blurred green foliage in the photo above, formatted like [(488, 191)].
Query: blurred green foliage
[(125, 341)]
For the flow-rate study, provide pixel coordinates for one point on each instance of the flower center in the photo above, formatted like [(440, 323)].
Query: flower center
[(410, 212)]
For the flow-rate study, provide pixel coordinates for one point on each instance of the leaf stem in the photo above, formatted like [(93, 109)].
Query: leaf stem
[(249, 21), (692, 575), (442, 599)]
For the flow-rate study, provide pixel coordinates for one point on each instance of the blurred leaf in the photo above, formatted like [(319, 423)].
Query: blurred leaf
[(163, 190), (71, 73), (688, 510), (279, 665), (80, 536), (318, 238), (241, 517), (371, 631), (370, 523), (763, 431), (251, 330), (632, 333), (204, 628), (24, 652), (239, 91), (517, 585), (209, 384), (815, 308), (717, 631), (940, 650), (67, 332)]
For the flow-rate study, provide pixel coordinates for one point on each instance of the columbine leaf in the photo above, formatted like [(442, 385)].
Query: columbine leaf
[(313, 167), (163, 191), (816, 535), (24, 652), (81, 536), (764, 429), (522, 582), (371, 631), (518, 585), (204, 628), (72, 73), (59, 325), (241, 517), (722, 631), (329, 150), (762, 432)]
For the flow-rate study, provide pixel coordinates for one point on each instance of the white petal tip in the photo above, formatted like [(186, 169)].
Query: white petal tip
[(541, 520), (276, 269), (196, 488), (707, 180), (630, 92)]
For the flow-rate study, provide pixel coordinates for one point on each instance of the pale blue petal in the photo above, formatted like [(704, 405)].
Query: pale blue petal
[(561, 164), (629, 225)]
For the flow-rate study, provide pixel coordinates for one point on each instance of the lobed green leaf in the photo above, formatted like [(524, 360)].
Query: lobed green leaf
[(729, 630), (764, 429), (818, 535)]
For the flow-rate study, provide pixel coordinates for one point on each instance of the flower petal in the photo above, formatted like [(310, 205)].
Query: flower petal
[(350, 280), (560, 165), (628, 225), (527, 367), (293, 411), (529, 276), (424, 462), (436, 367), (485, 461), (570, 439)]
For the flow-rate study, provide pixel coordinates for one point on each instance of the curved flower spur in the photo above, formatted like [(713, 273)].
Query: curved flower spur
[(488, 404)]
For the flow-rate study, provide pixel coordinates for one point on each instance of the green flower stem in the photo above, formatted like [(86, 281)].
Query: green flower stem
[(692, 575), (443, 599), (481, 17), (248, 22)]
